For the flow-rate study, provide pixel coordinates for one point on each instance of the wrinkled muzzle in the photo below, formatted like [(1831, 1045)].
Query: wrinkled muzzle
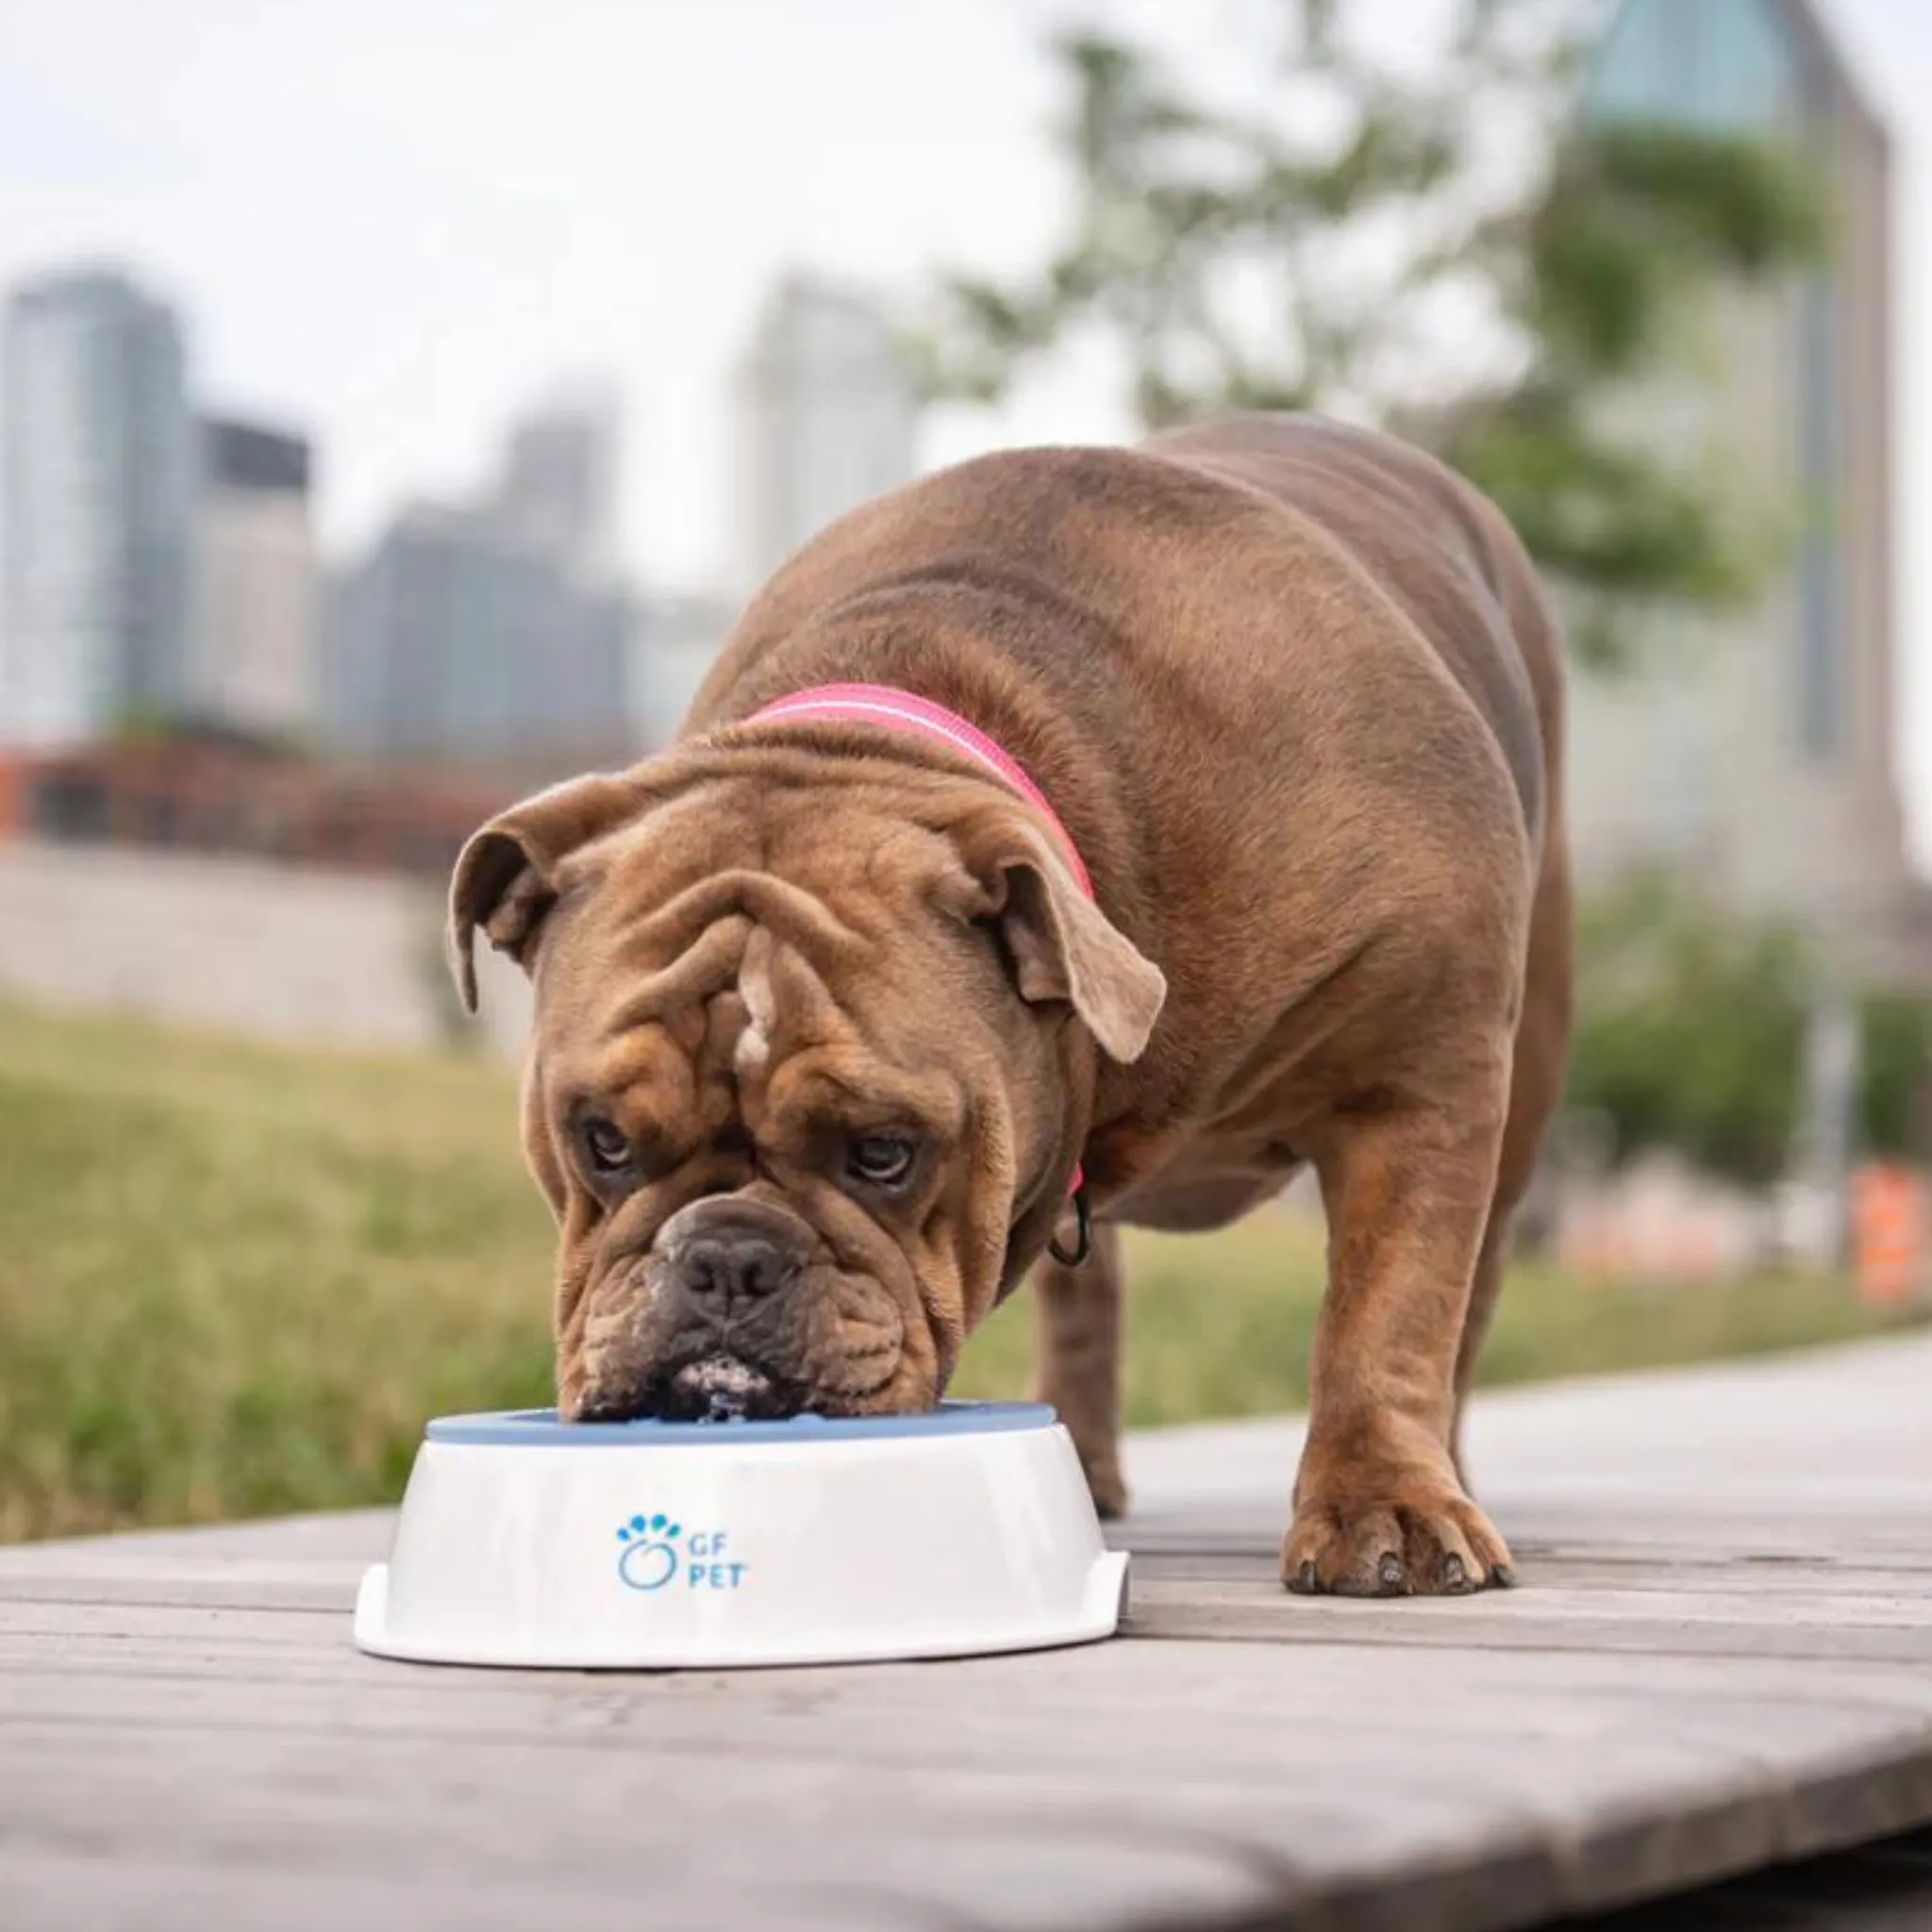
[(738, 1309)]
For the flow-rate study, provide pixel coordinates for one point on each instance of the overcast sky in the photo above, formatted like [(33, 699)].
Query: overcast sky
[(393, 221)]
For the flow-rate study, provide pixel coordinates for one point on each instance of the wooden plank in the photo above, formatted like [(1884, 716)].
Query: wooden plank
[(1880, 1620), (1698, 1678), (1885, 1887), (30, 1631), (973, 1839), (62, 1891), (1888, 1628), (414, 1807), (292, 1543), (1668, 1533), (1622, 1762)]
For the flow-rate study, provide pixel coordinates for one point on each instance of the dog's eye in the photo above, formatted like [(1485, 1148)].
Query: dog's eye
[(881, 1160), (604, 1146)]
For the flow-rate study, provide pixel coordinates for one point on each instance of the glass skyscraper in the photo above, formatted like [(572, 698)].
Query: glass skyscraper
[(97, 442), (826, 418)]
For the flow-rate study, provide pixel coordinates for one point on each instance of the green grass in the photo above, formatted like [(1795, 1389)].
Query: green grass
[(234, 1280)]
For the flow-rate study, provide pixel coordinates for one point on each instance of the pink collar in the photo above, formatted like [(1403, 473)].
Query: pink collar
[(880, 704), (902, 711)]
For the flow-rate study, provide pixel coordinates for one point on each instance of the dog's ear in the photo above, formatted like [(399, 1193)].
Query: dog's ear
[(1059, 943), (505, 877)]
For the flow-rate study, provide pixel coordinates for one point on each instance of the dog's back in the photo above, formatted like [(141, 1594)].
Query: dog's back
[(1437, 547)]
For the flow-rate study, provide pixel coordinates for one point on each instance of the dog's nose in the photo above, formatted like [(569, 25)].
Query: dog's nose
[(724, 1271)]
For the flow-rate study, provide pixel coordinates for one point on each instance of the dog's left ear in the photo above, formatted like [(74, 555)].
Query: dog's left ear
[(506, 876), (1061, 946)]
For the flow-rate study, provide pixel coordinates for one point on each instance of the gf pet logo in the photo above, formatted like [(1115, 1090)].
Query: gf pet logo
[(654, 1552)]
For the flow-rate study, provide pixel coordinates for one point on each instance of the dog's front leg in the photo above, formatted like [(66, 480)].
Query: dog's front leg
[(1378, 1507)]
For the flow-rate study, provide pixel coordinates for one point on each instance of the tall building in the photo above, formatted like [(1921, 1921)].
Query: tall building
[(559, 485), (497, 631), (253, 659), (456, 641), (679, 641), (826, 418), (99, 479), (1757, 748)]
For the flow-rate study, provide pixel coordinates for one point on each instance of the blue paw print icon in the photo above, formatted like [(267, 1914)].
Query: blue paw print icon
[(647, 1558)]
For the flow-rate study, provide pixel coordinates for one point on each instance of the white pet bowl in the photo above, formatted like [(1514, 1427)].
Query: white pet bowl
[(651, 1545)]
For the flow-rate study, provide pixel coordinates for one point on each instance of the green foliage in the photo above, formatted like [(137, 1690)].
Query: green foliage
[(1898, 1066), (1242, 260), (145, 725), (1691, 1034)]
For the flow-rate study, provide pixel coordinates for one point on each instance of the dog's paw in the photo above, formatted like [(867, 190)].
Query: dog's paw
[(1108, 1488), (1418, 1536), (1098, 1448)]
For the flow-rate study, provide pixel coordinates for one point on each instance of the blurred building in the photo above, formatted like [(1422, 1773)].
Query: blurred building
[(98, 494), (252, 661), (456, 640), (678, 639), (826, 418), (1757, 748), (492, 632), (559, 486)]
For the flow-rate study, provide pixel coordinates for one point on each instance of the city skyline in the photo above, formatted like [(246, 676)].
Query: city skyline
[(500, 620), (473, 259), (615, 195)]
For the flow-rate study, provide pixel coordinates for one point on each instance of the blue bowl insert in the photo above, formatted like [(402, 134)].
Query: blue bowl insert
[(532, 1429)]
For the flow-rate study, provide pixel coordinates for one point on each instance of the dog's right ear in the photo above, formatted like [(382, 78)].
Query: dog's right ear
[(506, 876)]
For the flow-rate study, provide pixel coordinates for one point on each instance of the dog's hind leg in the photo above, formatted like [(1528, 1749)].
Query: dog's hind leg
[(1484, 1286), (1077, 1361), (1538, 1067)]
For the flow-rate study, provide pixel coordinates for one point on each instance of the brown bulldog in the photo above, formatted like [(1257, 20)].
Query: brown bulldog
[(1073, 830)]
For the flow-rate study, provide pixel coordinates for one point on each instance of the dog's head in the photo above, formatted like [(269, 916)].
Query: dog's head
[(812, 1060)]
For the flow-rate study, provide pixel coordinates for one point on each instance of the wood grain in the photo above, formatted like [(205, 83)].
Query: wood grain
[(1701, 1675)]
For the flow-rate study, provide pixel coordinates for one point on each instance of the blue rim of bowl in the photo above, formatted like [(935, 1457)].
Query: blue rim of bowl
[(533, 1428)]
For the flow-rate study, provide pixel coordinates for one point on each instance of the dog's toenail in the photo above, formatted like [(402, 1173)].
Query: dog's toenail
[(1503, 1576), (1390, 1571), (1454, 1574), (1308, 1579)]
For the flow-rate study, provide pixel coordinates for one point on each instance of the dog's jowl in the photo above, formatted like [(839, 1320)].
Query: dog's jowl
[(1074, 839)]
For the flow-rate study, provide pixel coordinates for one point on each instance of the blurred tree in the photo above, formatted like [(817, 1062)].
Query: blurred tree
[(1690, 1035), (140, 725), (1690, 1030), (1442, 245), (1898, 1060)]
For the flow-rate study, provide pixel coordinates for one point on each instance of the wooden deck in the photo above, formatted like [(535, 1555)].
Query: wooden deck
[(1721, 1658)]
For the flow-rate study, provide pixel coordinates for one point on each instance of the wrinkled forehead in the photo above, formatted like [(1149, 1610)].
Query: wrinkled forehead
[(739, 989), (629, 950)]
